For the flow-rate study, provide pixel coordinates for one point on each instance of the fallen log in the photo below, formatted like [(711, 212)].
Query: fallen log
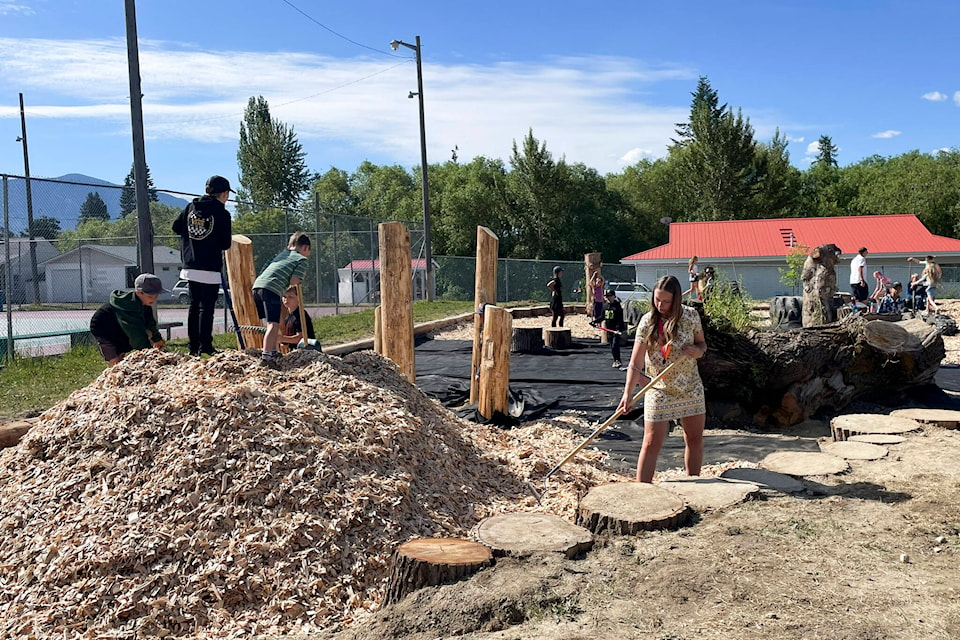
[(783, 377)]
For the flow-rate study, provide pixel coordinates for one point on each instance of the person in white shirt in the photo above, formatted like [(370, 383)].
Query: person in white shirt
[(858, 277)]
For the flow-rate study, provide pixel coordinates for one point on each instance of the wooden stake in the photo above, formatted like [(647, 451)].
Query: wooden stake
[(396, 294), (485, 292), (241, 272), (494, 381)]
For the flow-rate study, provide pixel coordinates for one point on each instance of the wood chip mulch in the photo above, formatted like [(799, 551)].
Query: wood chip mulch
[(214, 498)]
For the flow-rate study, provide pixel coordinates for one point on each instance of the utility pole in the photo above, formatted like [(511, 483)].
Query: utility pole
[(144, 223), (26, 175)]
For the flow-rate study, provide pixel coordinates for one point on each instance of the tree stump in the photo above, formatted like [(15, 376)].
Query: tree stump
[(851, 450), (868, 423), (526, 340), (11, 432), (557, 337), (944, 418), (707, 494), (877, 438), (804, 463), (427, 562), (626, 508), (520, 534)]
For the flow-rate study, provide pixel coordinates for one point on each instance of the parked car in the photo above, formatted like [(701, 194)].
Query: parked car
[(180, 293), (630, 291)]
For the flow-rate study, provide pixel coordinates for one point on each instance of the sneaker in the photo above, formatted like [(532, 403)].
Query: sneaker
[(270, 363), (210, 352), (616, 364)]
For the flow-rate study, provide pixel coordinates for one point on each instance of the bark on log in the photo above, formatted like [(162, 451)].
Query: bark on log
[(557, 338), (526, 340), (783, 377), (626, 508), (427, 562)]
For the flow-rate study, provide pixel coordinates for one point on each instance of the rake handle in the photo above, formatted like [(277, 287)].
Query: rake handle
[(612, 418)]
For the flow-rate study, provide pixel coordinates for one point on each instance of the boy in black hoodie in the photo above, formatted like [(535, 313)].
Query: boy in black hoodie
[(205, 233), (613, 321)]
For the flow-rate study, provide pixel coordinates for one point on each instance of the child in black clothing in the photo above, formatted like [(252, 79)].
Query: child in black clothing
[(613, 321)]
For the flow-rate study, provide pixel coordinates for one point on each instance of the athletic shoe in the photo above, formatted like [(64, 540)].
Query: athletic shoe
[(616, 364), (210, 352)]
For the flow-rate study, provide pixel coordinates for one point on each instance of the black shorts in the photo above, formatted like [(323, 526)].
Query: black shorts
[(268, 305), (859, 292)]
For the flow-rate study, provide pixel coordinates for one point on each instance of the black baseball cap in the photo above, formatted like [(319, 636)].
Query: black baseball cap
[(218, 184)]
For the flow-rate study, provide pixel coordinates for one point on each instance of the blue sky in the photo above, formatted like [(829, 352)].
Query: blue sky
[(602, 83)]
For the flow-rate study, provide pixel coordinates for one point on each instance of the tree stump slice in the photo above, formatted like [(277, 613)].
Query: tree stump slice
[(557, 338), (767, 480), (11, 432), (520, 534), (877, 438), (427, 562), (890, 338), (854, 424), (626, 508), (708, 494), (526, 340), (804, 463), (852, 450), (943, 418)]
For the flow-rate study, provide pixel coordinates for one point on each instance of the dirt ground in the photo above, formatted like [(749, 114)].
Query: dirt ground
[(870, 554)]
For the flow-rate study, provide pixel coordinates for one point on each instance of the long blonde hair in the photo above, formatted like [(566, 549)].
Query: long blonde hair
[(671, 285)]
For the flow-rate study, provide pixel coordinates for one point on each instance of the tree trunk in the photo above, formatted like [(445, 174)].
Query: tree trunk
[(557, 337), (527, 340), (782, 378), (427, 562)]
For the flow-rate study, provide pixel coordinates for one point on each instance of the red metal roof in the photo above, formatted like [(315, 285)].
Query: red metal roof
[(894, 233), (374, 265)]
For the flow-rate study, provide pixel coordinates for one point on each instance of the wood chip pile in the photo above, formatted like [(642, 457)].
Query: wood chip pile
[(214, 498)]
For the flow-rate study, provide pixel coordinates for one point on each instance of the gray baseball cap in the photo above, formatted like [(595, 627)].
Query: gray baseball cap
[(149, 284)]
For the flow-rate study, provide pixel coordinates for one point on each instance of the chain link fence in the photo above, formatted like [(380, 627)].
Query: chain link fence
[(52, 280)]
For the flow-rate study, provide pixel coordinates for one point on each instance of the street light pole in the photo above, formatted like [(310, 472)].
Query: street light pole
[(30, 230), (427, 253)]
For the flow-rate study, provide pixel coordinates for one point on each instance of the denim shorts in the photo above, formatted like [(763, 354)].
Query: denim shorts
[(268, 304)]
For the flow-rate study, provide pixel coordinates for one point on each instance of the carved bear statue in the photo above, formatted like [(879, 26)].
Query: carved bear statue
[(819, 285)]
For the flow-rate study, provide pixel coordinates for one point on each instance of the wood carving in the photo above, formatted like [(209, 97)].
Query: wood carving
[(819, 285)]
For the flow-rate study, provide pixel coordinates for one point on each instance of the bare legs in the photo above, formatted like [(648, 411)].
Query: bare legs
[(654, 433)]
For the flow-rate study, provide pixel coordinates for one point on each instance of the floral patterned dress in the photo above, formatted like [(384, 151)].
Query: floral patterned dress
[(680, 393)]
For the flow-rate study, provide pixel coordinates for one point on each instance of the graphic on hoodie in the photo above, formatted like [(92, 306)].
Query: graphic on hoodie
[(198, 225)]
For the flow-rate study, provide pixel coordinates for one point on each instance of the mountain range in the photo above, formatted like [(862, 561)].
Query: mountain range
[(62, 197)]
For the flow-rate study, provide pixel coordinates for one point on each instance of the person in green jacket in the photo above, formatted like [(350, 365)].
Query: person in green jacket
[(127, 321)]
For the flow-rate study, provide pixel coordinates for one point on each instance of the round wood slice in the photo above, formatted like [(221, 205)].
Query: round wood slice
[(862, 423), (426, 562), (770, 480), (707, 494), (804, 463), (877, 438), (944, 418), (851, 450), (890, 337), (627, 508), (520, 534)]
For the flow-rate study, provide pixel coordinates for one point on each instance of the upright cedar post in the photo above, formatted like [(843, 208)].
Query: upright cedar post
[(241, 274), (396, 296), (591, 267), (485, 292), (377, 330), (495, 363)]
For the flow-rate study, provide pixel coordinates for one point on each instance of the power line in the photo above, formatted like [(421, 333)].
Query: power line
[(339, 35)]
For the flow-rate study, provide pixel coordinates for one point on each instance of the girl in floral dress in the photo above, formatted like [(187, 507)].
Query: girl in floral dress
[(670, 332)]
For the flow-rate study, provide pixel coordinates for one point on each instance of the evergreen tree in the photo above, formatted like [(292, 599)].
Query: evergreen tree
[(272, 164), (716, 154), (128, 196), (44, 227), (826, 152), (93, 208)]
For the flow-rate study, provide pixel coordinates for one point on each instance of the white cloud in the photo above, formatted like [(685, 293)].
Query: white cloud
[(635, 155), (793, 139), (580, 107), (13, 7), (956, 98), (940, 150), (889, 133), (813, 148), (934, 96)]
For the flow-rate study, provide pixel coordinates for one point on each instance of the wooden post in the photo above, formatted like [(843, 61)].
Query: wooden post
[(241, 272), (396, 296), (377, 330), (485, 292), (495, 363), (591, 267)]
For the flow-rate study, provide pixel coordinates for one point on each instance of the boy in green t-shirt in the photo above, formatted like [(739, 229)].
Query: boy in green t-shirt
[(285, 270)]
